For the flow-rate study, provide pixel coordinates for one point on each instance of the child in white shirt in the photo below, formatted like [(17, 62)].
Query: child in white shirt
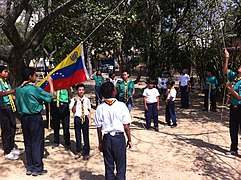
[(170, 104), (151, 104)]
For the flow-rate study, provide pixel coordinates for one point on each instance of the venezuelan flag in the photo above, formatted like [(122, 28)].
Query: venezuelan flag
[(69, 72)]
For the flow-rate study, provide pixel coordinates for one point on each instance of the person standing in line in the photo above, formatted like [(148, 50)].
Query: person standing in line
[(126, 90), (210, 86), (29, 102), (81, 107), (151, 104), (234, 87), (59, 109), (99, 80), (112, 118), (7, 117), (170, 104), (184, 87)]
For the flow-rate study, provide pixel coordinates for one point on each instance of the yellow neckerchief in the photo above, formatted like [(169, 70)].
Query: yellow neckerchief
[(26, 82), (83, 110), (57, 98), (9, 96), (126, 90), (110, 101), (233, 83)]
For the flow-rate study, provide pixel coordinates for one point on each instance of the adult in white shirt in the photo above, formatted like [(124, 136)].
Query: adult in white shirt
[(184, 87)]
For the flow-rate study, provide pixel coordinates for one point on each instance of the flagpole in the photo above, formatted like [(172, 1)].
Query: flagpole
[(102, 21)]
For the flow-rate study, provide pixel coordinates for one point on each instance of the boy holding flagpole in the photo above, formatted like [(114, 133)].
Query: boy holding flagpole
[(29, 102)]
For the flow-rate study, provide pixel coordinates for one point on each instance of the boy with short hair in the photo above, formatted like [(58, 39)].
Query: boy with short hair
[(112, 118), (170, 104), (151, 104), (7, 117), (29, 101), (81, 107)]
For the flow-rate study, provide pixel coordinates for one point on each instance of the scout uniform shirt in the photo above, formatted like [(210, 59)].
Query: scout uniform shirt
[(5, 100), (125, 89), (236, 83), (29, 99), (61, 96), (82, 107), (99, 80), (211, 80), (110, 117)]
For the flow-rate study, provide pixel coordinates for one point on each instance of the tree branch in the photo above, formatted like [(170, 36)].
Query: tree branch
[(9, 22), (37, 34)]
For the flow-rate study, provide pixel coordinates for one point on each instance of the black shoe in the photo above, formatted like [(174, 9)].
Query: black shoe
[(174, 125), (86, 157), (67, 148), (39, 173), (205, 109), (156, 129), (28, 173), (231, 153), (54, 145), (214, 110)]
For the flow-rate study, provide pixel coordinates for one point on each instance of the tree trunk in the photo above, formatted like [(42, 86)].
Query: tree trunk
[(16, 67)]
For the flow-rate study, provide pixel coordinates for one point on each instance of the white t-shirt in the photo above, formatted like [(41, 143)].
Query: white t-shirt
[(86, 103), (162, 83), (151, 95), (183, 79), (172, 93), (111, 118)]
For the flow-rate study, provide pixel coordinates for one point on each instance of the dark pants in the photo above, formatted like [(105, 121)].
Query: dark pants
[(78, 127), (212, 99), (152, 112), (170, 113), (60, 113), (129, 103), (8, 126), (234, 123), (114, 152), (184, 97), (98, 95), (33, 133)]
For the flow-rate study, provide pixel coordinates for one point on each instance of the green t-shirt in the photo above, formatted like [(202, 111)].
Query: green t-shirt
[(29, 99), (5, 100), (212, 80), (63, 96), (99, 80), (237, 87), (120, 85)]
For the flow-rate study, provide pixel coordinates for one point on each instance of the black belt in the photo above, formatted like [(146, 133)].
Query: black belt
[(62, 103), (114, 133), (36, 114)]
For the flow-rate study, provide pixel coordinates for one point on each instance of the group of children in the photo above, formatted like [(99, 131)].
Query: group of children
[(152, 104), (112, 119)]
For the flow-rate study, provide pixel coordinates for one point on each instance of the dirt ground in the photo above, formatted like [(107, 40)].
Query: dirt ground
[(193, 150)]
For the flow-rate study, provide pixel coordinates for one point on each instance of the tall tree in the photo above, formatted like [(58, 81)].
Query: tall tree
[(24, 36)]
